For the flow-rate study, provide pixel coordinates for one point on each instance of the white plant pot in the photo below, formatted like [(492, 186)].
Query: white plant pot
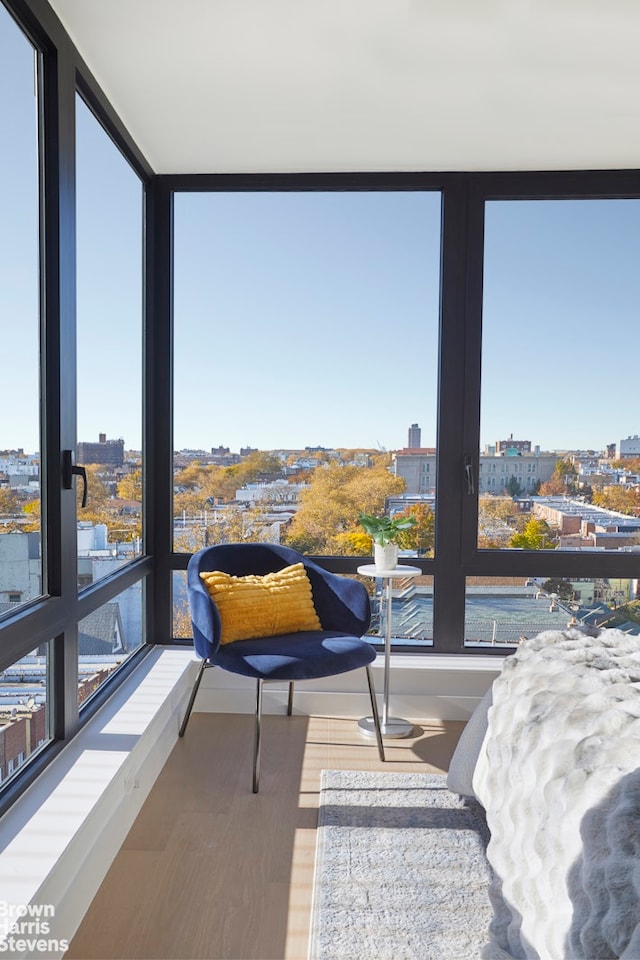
[(385, 558)]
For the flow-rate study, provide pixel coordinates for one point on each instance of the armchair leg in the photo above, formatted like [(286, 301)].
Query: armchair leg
[(183, 725), (257, 736), (376, 715), (290, 701)]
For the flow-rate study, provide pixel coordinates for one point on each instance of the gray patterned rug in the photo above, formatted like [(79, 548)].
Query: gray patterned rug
[(400, 870)]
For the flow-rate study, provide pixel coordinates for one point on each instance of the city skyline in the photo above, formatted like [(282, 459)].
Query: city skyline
[(212, 448)]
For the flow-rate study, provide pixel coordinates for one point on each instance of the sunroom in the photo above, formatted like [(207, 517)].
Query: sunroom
[(282, 235)]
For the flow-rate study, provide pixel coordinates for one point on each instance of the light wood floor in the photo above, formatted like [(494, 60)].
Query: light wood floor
[(211, 871)]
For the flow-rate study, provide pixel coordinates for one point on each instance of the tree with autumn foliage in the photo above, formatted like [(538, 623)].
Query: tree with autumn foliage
[(11, 513), (632, 464), (498, 518), (327, 519), (198, 485), (32, 510), (130, 486), (421, 537), (618, 497), (563, 481), (10, 503)]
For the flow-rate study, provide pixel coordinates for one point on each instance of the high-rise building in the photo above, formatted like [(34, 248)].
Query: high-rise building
[(415, 437)]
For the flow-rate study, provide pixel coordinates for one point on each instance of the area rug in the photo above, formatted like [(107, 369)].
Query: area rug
[(400, 870)]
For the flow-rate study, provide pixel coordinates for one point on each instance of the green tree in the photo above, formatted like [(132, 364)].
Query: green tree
[(513, 487), (563, 588), (533, 537)]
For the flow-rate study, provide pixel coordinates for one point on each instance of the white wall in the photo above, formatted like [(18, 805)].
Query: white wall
[(431, 687)]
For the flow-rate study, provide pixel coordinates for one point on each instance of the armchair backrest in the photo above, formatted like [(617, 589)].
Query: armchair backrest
[(341, 604)]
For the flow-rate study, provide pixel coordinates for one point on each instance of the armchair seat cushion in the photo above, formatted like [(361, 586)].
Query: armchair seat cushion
[(296, 656)]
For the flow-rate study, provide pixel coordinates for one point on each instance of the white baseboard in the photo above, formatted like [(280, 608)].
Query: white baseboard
[(431, 688)]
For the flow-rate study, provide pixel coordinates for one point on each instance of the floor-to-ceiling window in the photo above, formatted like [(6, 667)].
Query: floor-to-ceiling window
[(274, 331), (72, 577), (109, 211), (21, 573), (556, 474), (24, 679), (305, 357)]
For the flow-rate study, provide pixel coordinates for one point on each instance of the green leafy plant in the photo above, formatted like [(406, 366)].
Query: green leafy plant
[(384, 530)]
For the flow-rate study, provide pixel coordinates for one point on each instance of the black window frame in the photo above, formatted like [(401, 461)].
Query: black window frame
[(457, 556)]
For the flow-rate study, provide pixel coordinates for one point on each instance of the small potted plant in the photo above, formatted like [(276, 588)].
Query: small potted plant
[(385, 532)]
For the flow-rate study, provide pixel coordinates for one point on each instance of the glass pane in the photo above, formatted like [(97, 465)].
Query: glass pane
[(412, 615), (506, 610), (109, 223), (558, 426), (298, 319), (20, 480), (411, 610), (181, 616), (24, 723), (107, 637)]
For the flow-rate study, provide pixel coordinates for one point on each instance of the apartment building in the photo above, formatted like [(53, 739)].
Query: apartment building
[(495, 470), (107, 452)]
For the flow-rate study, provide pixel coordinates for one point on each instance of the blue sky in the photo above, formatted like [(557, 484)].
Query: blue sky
[(291, 309)]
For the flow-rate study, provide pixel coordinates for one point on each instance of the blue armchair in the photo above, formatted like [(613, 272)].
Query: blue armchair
[(343, 609)]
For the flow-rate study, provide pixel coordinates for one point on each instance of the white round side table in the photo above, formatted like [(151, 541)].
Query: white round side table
[(389, 726)]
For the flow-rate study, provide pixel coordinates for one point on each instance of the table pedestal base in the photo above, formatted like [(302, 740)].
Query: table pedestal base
[(393, 727)]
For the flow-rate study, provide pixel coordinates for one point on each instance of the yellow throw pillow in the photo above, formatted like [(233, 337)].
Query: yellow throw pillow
[(252, 606)]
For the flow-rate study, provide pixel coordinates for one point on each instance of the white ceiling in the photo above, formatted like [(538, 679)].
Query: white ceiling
[(219, 86)]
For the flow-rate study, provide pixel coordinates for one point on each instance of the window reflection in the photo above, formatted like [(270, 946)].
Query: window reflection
[(20, 463), (109, 335), (24, 725), (107, 636)]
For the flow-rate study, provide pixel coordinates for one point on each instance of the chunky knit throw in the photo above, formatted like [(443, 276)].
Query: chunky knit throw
[(559, 778)]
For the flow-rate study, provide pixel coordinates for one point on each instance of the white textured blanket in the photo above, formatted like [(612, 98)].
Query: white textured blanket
[(559, 777)]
